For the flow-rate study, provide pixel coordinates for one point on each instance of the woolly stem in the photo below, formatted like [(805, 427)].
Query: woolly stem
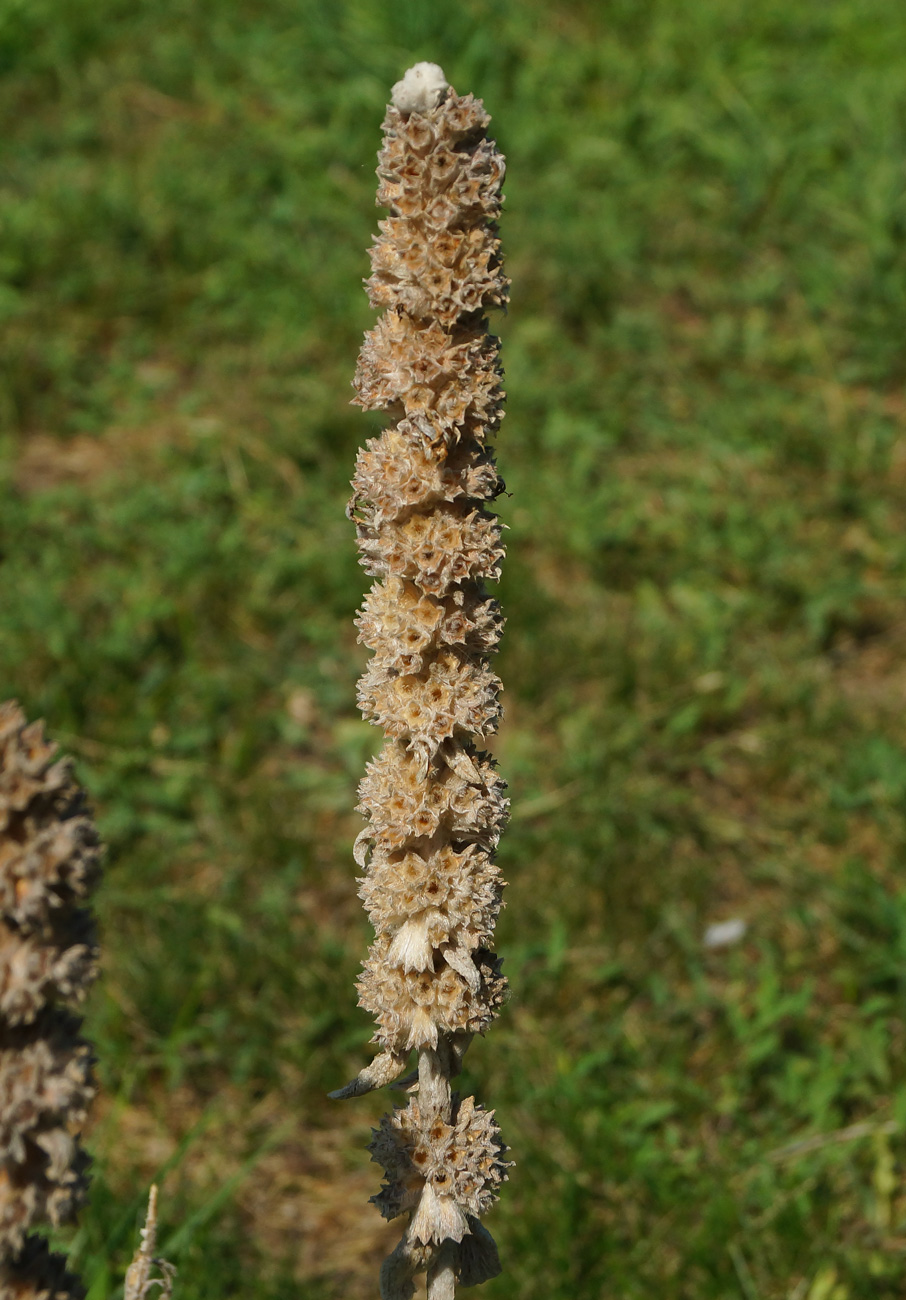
[(442, 1273), (434, 1071)]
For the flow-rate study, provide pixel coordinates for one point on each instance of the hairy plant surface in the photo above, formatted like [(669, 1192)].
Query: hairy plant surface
[(432, 888)]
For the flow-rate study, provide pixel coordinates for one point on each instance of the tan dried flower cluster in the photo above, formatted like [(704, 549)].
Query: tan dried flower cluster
[(442, 1173), (49, 863), (434, 803)]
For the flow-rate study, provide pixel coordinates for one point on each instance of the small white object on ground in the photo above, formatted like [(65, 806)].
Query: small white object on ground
[(724, 933), (421, 89)]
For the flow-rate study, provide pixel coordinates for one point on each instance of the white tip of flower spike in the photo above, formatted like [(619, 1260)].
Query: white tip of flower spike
[(421, 89)]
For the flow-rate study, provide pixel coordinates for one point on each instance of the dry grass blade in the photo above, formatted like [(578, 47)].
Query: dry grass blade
[(138, 1275)]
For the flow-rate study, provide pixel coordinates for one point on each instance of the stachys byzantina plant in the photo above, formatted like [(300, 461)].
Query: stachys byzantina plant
[(49, 864), (434, 801)]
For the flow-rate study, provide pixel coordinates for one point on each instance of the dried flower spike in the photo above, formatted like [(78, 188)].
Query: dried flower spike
[(434, 802), (49, 863), (139, 1281)]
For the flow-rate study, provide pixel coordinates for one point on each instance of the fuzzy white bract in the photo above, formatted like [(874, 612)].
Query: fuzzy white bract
[(421, 89)]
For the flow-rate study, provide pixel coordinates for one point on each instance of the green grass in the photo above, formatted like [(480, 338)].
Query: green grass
[(704, 660)]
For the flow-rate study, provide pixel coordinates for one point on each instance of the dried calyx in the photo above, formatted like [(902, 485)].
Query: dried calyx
[(49, 863), (434, 802)]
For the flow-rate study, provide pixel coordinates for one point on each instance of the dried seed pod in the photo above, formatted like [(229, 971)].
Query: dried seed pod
[(432, 898), (435, 806), (458, 993), (49, 863), (403, 804), (442, 1172)]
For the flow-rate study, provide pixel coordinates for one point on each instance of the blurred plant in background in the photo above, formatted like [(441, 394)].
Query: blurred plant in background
[(49, 864), (705, 642)]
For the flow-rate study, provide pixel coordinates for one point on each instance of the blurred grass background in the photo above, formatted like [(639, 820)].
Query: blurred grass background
[(704, 662)]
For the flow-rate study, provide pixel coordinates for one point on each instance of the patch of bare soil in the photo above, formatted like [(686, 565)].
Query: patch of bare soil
[(301, 1191), (872, 675), (46, 462)]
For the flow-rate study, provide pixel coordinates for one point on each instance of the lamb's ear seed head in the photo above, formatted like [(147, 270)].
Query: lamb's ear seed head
[(435, 805), (413, 1008), (445, 1172), (401, 803)]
